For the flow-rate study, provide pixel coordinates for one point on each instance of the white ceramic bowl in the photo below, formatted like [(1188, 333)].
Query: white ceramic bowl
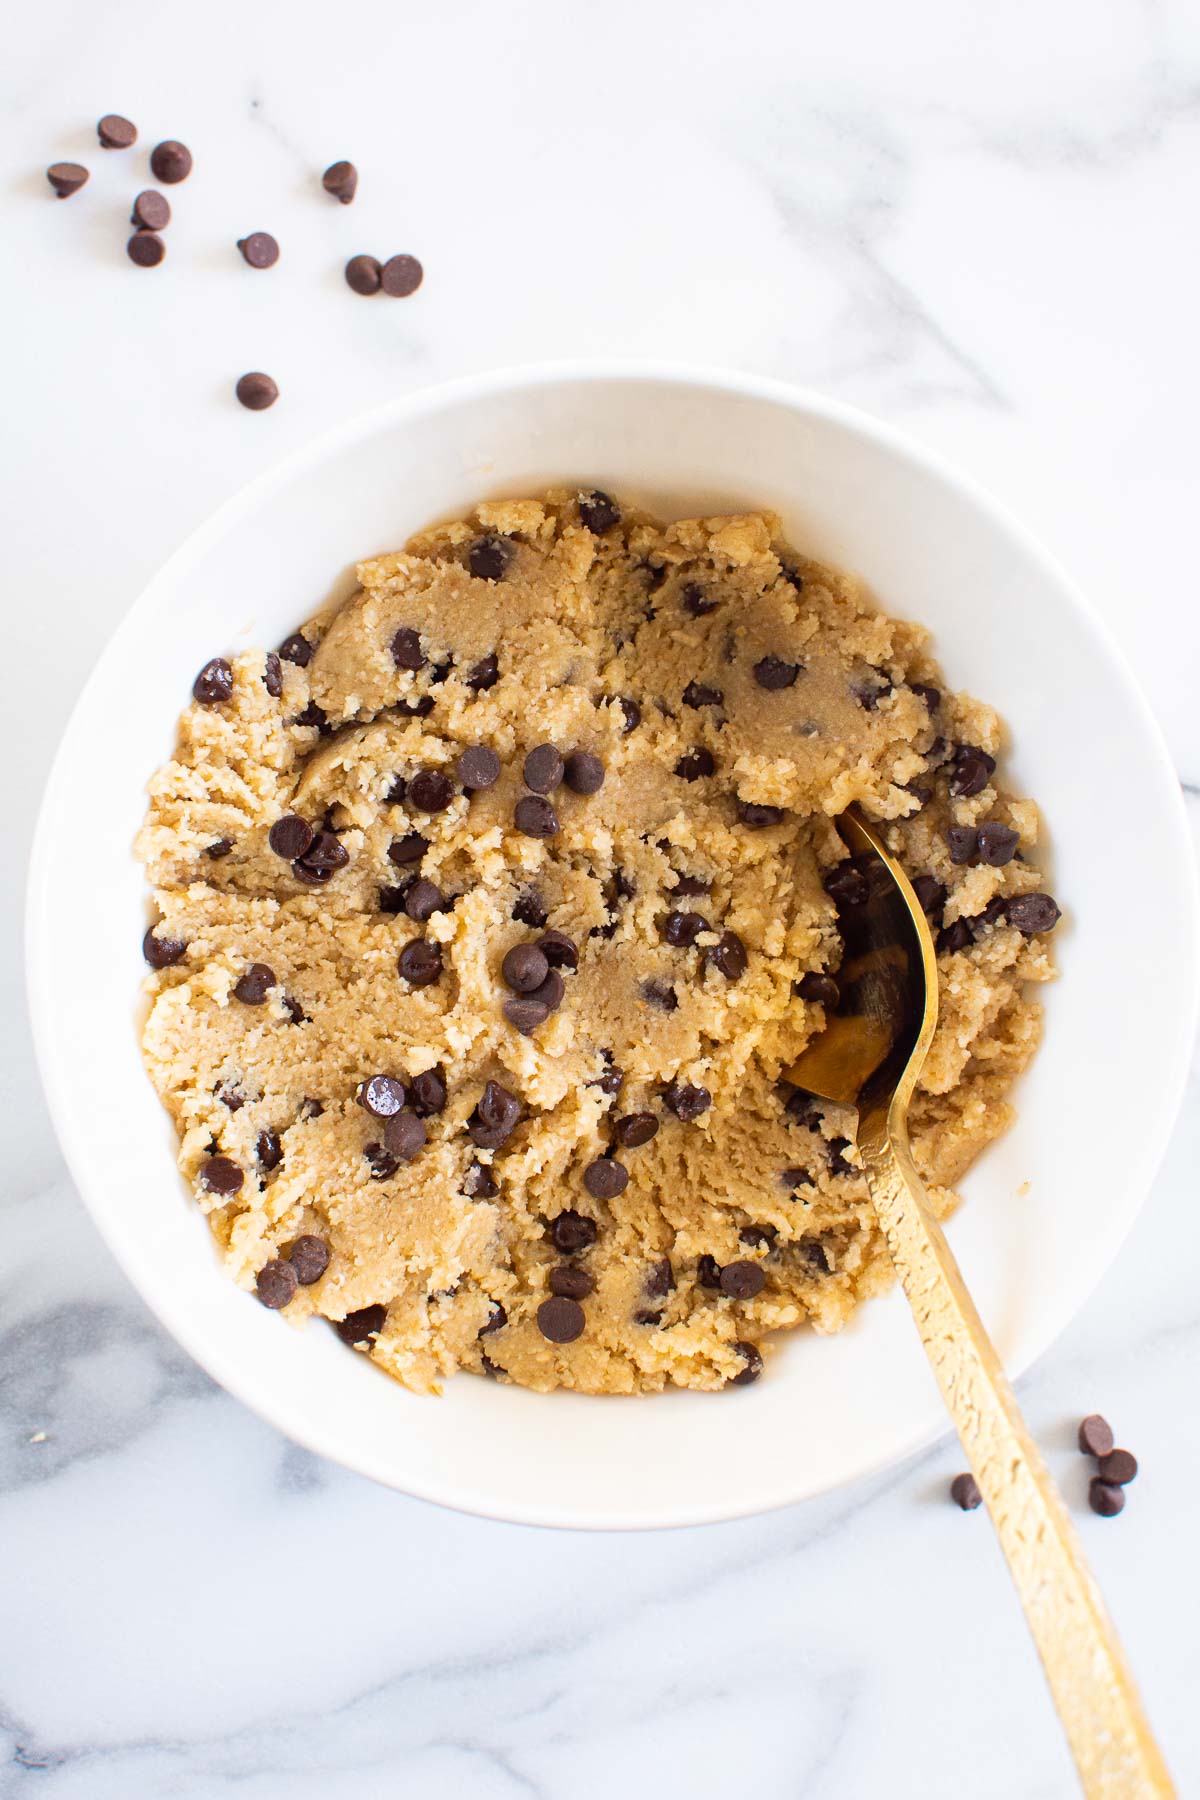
[(1045, 1209)]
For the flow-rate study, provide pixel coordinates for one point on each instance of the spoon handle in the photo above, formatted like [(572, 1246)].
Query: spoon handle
[(1093, 1689)]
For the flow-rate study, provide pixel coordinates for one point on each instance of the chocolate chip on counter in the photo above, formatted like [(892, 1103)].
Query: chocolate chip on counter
[(696, 602), (381, 1096), (479, 1183), (822, 990), (1095, 1435), (484, 675), (583, 772), (1031, 913), (774, 674), (687, 1101), (964, 1491), (930, 695), (559, 950), (383, 1166), (561, 1320), (529, 909), (1118, 1467), (534, 817), (116, 133), (496, 1320), (847, 885), (406, 649), (742, 1280), (275, 1284), (795, 1179), (525, 1014), (296, 649), (1105, 1498), (151, 211), (254, 984), (430, 791), (694, 764), (971, 770), (955, 937), (543, 769), (401, 276), (357, 1327), (405, 1136), (660, 1277), (420, 963), (751, 1355), (290, 836), (696, 694), (268, 1150), (524, 968), (363, 274), (838, 1164), (428, 1093), (221, 1175), (549, 992), (605, 1178), (962, 841), (406, 850), (171, 161), (341, 180), (214, 683), (679, 929), (633, 1129), (257, 391), (422, 899), (161, 952), (660, 994), (309, 1257), (708, 1271), (66, 178), (490, 558), (495, 1117), (997, 844), (631, 712), (931, 895), (598, 511), (757, 817), (259, 249), (572, 1284), (572, 1232), (478, 767), (727, 956)]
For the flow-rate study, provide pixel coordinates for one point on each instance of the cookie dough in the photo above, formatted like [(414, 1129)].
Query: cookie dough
[(491, 907)]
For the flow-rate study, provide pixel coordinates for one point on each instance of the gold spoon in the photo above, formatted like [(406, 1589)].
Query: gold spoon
[(869, 1056)]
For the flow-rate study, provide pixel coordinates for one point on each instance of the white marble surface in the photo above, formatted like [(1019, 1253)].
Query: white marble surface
[(976, 221)]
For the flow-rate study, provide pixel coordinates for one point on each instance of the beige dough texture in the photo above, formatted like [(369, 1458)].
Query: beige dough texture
[(736, 697)]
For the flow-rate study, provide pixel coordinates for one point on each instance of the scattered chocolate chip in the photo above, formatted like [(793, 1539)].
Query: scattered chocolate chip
[(529, 910), (260, 250), (489, 559), (696, 602), (268, 1149), (972, 768), (381, 1096), (524, 968), (930, 695), (161, 952), (257, 391), (357, 1327), (846, 885), (605, 1178), (1031, 913), (401, 276), (757, 817), (171, 161), (598, 511), (727, 956), (430, 791), (1105, 1498), (422, 899), (405, 1136), (254, 984), (363, 274), (997, 844), (543, 769), (534, 816), (572, 1284), (66, 178), (955, 937), (341, 180), (572, 1232), (813, 1252), (697, 694), (931, 895), (560, 1320), (559, 950), (309, 1257), (479, 1183), (751, 1355), (679, 929), (290, 836), (382, 1166), (838, 1164), (116, 133), (660, 994), (478, 767), (525, 1014), (1118, 1467), (408, 849), (151, 211), (296, 649), (636, 1128), (795, 1179), (1095, 1435), (632, 713), (420, 963), (221, 1175), (406, 649), (484, 675), (774, 674), (495, 1118), (964, 1491), (687, 1101), (583, 772), (708, 1271), (660, 1277), (275, 1284), (822, 990), (962, 842), (694, 764)]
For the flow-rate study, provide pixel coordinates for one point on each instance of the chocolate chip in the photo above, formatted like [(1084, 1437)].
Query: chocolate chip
[(221, 1175), (495, 1117), (930, 695), (751, 1355), (742, 1280), (405, 1136), (543, 769), (254, 984), (295, 1012), (679, 929), (1095, 1435), (583, 772), (1031, 913), (813, 1252), (296, 649), (309, 1258), (847, 885), (964, 1491), (260, 250), (612, 1080), (268, 1149), (363, 274), (290, 836), (694, 764), (116, 133), (161, 952), (489, 558), (357, 1327), (151, 211), (420, 963), (484, 675), (660, 1278), (428, 1093), (66, 178), (1105, 1498), (696, 602), (801, 1106), (758, 1237), (1119, 1467), (171, 161), (636, 1128), (870, 693), (406, 649), (598, 511), (757, 817), (631, 711), (962, 842), (315, 718), (572, 1284), (524, 968), (525, 1014), (697, 694), (972, 767), (382, 1166), (931, 895), (311, 1109), (920, 793), (837, 1157), (430, 791), (422, 899), (550, 991), (214, 683), (997, 844), (478, 767), (381, 1096), (534, 816), (572, 1232), (795, 1179), (559, 950), (529, 910), (727, 956), (708, 1271), (256, 391), (273, 675), (686, 1101), (660, 994), (401, 276), (496, 1320), (341, 180), (991, 914), (275, 1284), (605, 1178), (560, 1320), (955, 937), (774, 674), (647, 1316), (479, 1183), (324, 856), (822, 990), (408, 849), (229, 1096)]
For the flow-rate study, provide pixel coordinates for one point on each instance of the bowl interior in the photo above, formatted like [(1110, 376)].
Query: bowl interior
[(1045, 1209)]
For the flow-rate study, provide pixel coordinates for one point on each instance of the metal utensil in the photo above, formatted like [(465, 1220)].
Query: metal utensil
[(869, 1056)]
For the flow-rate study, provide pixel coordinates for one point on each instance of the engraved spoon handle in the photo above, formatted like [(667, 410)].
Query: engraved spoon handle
[(1093, 1689)]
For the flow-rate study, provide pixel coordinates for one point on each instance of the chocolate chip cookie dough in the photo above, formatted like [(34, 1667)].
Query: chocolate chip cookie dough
[(491, 907)]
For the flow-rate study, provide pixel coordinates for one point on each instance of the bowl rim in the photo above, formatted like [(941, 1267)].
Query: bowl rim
[(586, 371)]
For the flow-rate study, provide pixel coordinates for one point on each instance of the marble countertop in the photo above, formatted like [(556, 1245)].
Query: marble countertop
[(978, 223)]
